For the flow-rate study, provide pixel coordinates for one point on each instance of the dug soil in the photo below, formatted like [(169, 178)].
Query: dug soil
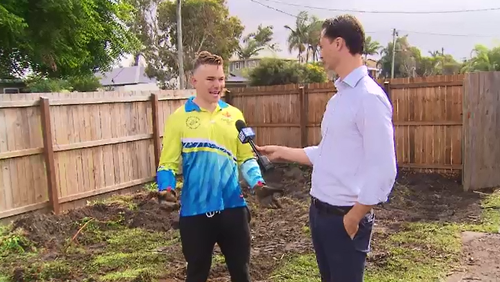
[(277, 234)]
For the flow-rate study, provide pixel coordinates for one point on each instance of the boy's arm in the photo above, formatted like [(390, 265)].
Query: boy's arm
[(170, 155), (248, 163)]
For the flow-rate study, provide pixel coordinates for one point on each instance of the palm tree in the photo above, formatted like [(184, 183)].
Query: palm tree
[(298, 37), (484, 60), (371, 47)]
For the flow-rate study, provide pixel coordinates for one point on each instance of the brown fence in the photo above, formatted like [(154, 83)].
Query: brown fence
[(427, 117), (72, 146), (481, 130), (56, 151)]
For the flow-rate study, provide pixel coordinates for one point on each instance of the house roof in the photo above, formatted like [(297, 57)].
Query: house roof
[(235, 78), (126, 76)]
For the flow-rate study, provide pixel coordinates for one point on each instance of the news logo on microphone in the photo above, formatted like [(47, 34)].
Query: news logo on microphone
[(246, 134)]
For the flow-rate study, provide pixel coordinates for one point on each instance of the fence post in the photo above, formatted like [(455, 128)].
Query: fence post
[(303, 114), (227, 96), (48, 152), (387, 88), (156, 129)]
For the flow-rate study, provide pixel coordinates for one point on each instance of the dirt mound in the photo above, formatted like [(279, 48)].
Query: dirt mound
[(430, 197), (51, 231)]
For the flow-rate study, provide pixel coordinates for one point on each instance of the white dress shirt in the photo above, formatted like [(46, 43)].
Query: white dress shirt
[(356, 159)]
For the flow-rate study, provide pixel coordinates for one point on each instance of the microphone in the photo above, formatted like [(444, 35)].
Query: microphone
[(246, 135)]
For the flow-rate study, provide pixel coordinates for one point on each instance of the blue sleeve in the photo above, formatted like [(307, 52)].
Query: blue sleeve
[(165, 179), (251, 172)]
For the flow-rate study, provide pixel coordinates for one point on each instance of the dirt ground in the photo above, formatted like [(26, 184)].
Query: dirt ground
[(276, 234)]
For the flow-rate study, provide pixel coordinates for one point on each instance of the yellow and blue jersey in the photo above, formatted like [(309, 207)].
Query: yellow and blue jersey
[(211, 155)]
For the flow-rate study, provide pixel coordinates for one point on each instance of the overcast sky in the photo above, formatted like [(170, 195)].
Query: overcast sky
[(426, 31), (457, 33)]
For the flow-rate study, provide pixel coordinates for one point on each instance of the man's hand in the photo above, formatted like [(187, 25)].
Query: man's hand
[(351, 225), (266, 195), (167, 198), (353, 218), (272, 152)]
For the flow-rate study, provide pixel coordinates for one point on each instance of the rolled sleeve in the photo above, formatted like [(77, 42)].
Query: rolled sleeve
[(312, 153), (379, 168)]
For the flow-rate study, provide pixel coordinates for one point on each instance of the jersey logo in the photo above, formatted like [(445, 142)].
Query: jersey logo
[(226, 116), (193, 122)]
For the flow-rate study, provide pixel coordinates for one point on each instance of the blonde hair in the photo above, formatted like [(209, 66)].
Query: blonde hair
[(207, 58)]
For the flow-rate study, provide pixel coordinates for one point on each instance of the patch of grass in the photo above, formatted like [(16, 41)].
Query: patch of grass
[(125, 201), (125, 255), (419, 252), (300, 268), (12, 243), (137, 274)]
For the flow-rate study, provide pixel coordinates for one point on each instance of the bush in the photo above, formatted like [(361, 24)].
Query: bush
[(273, 71), (38, 84)]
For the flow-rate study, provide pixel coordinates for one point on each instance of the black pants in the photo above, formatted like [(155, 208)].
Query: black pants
[(230, 230), (340, 258)]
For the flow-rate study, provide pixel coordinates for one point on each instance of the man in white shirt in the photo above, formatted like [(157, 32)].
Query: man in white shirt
[(354, 166)]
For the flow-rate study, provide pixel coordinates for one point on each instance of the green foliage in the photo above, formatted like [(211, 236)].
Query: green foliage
[(272, 71), (484, 59), (206, 25), (304, 36), (83, 83), (257, 41), (63, 38)]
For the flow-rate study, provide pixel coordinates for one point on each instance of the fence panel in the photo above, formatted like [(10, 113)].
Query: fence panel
[(481, 130), (273, 112), (428, 121), (427, 117), (102, 142)]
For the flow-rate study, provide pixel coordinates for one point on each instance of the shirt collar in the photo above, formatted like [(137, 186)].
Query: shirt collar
[(352, 78), (191, 105)]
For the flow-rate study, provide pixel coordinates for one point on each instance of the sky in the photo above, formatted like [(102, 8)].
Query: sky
[(457, 33)]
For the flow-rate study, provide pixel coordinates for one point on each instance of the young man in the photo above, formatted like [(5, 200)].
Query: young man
[(213, 209), (354, 166)]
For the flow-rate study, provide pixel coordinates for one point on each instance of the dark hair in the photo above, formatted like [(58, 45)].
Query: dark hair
[(348, 28), (207, 58)]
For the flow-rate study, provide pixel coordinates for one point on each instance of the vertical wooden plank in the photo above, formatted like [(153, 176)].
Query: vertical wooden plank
[(156, 129), (303, 114), (48, 150)]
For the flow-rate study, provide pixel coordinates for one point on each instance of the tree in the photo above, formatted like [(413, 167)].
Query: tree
[(273, 71), (206, 25), (484, 59), (304, 37), (371, 47), (255, 42), (63, 38)]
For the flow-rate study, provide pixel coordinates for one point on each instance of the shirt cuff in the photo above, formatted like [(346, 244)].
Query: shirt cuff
[(312, 153), (251, 172), (165, 179)]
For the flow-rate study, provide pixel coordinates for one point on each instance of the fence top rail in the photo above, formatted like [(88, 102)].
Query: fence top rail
[(83, 101)]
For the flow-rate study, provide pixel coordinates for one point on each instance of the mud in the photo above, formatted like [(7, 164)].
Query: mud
[(276, 234)]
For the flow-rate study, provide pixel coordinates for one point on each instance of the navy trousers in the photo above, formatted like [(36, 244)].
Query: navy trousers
[(340, 258)]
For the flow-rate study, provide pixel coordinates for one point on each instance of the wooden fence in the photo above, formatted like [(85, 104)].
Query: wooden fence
[(63, 148), (71, 146), (427, 117)]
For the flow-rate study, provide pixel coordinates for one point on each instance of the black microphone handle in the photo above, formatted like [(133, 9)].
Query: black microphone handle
[(263, 161), (252, 144)]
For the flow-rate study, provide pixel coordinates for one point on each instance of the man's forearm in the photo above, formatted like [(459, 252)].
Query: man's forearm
[(297, 155)]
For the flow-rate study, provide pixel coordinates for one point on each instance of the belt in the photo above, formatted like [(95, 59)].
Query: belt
[(327, 208)]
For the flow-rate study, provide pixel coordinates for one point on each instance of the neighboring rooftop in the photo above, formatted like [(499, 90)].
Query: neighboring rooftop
[(126, 76)]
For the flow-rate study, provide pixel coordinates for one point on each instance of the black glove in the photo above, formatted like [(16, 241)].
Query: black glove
[(266, 195)]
